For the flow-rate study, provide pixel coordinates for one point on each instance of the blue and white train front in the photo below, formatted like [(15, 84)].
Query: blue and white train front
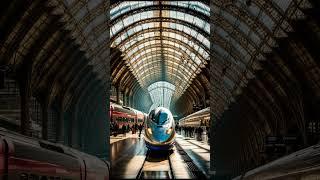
[(159, 129)]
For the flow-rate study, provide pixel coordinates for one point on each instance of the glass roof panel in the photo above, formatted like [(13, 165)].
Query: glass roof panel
[(155, 13), (161, 93), (167, 31), (145, 48), (127, 6), (249, 30)]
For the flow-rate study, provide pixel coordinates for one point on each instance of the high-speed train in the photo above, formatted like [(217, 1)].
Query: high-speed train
[(301, 165), (159, 129)]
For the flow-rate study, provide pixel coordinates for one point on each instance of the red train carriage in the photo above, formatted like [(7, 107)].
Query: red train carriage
[(122, 115), (139, 117), (23, 158)]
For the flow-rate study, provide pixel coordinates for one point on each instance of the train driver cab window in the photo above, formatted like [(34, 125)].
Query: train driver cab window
[(161, 118)]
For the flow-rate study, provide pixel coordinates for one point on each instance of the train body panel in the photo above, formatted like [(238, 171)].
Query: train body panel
[(303, 165), (140, 117), (159, 129), (122, 115), (2, 157), (197, 119), (28, 158)]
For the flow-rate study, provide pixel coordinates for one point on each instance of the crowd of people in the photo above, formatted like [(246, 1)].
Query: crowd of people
[(193, 132), (187, 131), (116, 129)]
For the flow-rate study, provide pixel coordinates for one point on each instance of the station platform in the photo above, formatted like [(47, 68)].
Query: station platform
[(130, 159), (120, 137)]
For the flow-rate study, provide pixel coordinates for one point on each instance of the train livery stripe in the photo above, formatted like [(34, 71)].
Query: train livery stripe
[(27, 165)]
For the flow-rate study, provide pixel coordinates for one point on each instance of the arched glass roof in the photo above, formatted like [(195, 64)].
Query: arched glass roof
[(161, 93), (169, 40), (161, 43)]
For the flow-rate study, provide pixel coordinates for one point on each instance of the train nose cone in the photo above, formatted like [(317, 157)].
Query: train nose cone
[(160, 134)]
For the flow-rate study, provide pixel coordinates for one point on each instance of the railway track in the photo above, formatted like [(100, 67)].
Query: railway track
[(195, 172), (157, 165), (160, 166)]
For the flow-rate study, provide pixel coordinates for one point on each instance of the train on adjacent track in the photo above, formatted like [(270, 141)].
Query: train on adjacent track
[(159, 129), (301, 165), (198, 119), (122, 115), (23, 158)]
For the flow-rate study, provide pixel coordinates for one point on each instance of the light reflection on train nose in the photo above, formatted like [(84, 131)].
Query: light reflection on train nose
[(160, 134), (159, 131)]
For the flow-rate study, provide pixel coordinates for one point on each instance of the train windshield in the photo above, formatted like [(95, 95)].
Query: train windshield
[(161, 118)]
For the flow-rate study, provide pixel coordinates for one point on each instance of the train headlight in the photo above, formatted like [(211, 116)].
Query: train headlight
[(149, 130), (169, 130)]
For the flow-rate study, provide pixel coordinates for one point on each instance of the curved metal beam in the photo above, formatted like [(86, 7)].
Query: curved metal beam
[(145, 78), (61, 53), (167, 39), (181, 43), (148, 59), (164, 46), (223, 44), (170, 63), (185, 10), (124, 78), (44, 60), (224, 24), (163, 29), (26, 25), (160, 19)]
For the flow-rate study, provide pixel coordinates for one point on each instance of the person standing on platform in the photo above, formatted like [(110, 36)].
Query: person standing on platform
[(133, 128), (127, 128), (200, 133), (197, 133), (116, 127), (140, 129), (112, 128), (187, 131), (123, 130), (208, 133)]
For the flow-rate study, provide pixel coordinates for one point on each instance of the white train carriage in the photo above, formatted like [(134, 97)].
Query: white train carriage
[(197, 119)]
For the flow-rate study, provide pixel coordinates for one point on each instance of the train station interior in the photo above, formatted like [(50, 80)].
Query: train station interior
[(88, 82)]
